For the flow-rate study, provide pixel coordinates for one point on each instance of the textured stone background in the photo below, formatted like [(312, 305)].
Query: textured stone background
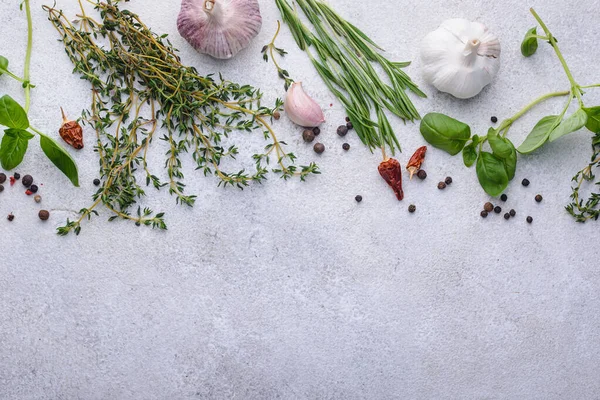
[(292, 290)]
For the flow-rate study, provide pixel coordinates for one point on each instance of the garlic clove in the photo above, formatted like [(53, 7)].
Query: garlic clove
[(302, 109), (219, 28), (460, 57)]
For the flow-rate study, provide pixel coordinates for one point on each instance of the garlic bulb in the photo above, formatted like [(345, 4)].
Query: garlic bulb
[(301, 109), (460, 57), (220, 28)]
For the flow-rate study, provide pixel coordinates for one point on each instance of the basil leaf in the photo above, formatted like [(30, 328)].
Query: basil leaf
[(12, 114), (3, 64), (445, 133), (470, 154), (510, 162), (501, 147), (539, 135), (530, 43), (60, 158), (491, 173), (593, 121), (13, 147), (572, 124)]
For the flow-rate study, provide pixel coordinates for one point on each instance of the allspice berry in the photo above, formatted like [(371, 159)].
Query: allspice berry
[(422, 175), (308, 135), (349, 126), (489, 207), (44, 215), (2, 177), (276, 115), (27, 180), (539, 198), (442, 185), (484, 214), (319, 148), (342, 130)]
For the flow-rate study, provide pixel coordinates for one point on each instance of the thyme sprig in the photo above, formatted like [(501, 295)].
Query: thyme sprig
[(271, 49), (138, 86), (343, 57), (589, 210)]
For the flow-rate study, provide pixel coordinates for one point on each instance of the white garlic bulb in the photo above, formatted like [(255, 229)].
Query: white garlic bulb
[(460, 57), (302, 109), (220, 28)]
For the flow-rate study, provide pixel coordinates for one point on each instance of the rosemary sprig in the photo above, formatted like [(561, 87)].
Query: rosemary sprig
[(343, 58), (138, 81), (589, 210), (271, 49)]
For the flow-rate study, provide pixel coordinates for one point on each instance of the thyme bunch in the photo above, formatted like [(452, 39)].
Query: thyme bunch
[(140, 85), (343, 57), (583, 212)]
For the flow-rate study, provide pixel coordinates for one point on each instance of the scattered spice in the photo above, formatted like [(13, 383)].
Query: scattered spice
[(489, 207), (276, 115), (497, 209), (44, 215), (347, 119), (317, 131), (17, 176), (504, 197), (391, 171), (358, 198), (342, 130), (37, 198), (308, 135), (422, 175), (33, 188), (415, 162), (484, 214), (448, 180), (319, 148), (71, 132), (412, 208), (346, 146), (442, 185), (96, 182), (27, 180), (507, 216), (512, 213), (529, 220), (1, 188), (494, 120), (525, 182), (12, 180), (2, 177), (349, 126), (10, 217), (539, 198)]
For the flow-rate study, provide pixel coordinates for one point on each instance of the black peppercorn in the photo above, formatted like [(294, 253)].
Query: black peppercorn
[(96, 182), (342, 130), (319, 148), (497, 209), (317, 131), (33, 188), (347, 119), (27, 180), (44, 215), (17, 176), (2, 177), (412, 208), (422, 174), (308, 136), (504, 197), (512, 213), (525, 182), (1, 188), (358, 198), (442, 185), (494, 119), (529, 220), (276, 115), (489, 207), (10, 217), (448, 180), (507, 216), (484, 214), (349, 126), (346, 146), (539, 198)]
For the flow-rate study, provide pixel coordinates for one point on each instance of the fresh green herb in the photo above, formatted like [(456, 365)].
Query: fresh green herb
[(343, 55), (271, 49), (138, 81), (590, 209), (495, 170), (14, 117)]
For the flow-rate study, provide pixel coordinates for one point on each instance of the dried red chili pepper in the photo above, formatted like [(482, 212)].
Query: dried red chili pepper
[(415, 162), (391, 171), (71, 132)]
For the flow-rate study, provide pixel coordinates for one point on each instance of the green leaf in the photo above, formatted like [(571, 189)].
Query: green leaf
[(530, 43), (510, 162), (470, 154), (593, 121), (12, 114), (3, 64), (476, 139), (501, 147), (13, 147), (572, 124), (539, 135), (445, 133), (61, 158), (491, 173)]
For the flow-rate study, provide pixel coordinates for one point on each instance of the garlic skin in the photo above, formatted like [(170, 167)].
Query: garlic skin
[(219, 28), (302, 109), (460, 57)]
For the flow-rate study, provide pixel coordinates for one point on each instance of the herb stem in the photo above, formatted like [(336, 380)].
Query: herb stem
[(28, 56), (507, 123), (15, 77), (590, 86)]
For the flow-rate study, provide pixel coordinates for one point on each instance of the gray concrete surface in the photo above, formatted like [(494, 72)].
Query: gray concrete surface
[(292, 290)]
